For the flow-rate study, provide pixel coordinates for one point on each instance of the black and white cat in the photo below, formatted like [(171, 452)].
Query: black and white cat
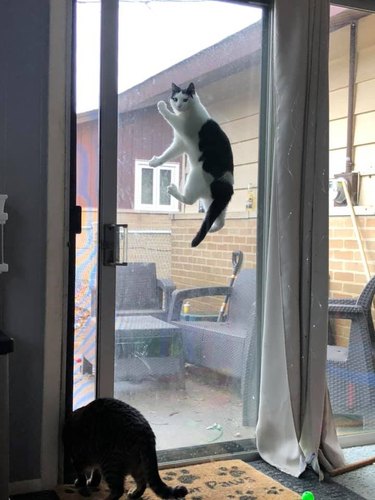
[(112, 438), (210, 178)]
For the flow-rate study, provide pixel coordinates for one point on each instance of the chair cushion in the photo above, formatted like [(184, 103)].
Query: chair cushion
[(218, 346)]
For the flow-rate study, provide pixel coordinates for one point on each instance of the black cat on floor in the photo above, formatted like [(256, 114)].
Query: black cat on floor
[(112, 438)]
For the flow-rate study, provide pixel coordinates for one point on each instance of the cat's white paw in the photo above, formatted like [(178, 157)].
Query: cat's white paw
[(172, 189), (155, 161), (216, 226), (162, 106)]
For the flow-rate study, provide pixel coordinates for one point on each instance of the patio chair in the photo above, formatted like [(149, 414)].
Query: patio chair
[(365, 300), (140, 292), (351, 369), (220, 346)]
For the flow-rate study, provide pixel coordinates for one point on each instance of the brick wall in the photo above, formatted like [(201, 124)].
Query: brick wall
[(211, 262), (347, 276), (346, 269)]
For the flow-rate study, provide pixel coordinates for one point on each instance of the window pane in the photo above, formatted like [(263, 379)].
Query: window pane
[(194, 381), (147, 186), (87, 164), (350, 363), (159, 367), (165, 180)]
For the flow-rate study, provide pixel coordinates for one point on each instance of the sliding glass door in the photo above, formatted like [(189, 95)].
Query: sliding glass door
[(187, 360), (350, 367), (190, 370), (186, 376)]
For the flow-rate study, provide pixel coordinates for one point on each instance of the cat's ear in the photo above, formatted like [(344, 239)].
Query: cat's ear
[(175, 88), (191, 89)]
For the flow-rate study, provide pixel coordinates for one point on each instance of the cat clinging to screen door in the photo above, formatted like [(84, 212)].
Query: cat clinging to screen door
[(210, 178)]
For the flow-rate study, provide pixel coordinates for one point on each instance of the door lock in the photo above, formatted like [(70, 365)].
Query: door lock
[(115, 245)]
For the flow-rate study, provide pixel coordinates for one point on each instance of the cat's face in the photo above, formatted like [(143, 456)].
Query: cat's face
[(182, 99)]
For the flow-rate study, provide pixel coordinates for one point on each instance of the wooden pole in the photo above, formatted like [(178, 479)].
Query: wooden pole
[(237, 259), (351, 467)]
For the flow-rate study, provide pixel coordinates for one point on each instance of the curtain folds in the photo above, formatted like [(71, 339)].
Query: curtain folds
[(295, 425)]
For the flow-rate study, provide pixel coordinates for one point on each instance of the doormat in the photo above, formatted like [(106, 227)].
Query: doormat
[(224, 480)]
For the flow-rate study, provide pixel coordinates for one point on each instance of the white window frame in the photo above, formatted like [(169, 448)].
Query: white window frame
[(174, 168)]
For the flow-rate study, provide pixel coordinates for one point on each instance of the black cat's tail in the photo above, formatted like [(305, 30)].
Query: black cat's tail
[(222, 192), (155, 482)]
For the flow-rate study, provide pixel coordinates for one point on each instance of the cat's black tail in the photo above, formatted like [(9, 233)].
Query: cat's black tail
[(155, 482), (222, 192)]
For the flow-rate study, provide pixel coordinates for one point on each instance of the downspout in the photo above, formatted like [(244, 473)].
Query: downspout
[(352, 65), (344, 183), (349, 142), (343, 178)]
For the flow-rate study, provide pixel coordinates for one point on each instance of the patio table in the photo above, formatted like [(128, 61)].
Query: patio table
[(147, 347)]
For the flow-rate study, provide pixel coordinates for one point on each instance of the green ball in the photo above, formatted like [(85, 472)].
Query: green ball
[(307, 495)]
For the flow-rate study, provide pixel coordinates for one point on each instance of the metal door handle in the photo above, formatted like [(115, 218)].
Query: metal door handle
[(115, 245)]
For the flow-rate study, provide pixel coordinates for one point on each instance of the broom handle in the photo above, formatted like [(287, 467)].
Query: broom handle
[(237, 259), (351, 467)]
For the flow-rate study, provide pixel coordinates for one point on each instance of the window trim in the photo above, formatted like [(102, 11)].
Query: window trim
[(174, 168), (355, 4)]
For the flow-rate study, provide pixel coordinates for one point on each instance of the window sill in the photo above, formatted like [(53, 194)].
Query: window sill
[(229, 216), (344, 211)]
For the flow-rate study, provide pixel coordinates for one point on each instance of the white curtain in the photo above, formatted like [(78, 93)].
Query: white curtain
[(295, 425)]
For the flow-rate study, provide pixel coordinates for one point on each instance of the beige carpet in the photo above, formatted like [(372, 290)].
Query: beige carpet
[(231, 479)]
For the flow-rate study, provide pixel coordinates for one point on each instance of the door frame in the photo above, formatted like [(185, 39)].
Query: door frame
[(107, 209), (61, 149), (107, 206)]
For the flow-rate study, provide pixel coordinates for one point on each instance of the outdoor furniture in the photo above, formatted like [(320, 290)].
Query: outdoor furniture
[(147, 347), (139, 291), (221, 346), (351, 369), (365, 300)]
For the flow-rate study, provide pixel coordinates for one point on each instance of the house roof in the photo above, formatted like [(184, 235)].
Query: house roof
[(238, 52)]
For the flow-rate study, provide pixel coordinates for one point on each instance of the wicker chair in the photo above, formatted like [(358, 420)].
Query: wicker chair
[(351, 369), (365, 300), (139, 291), (220, 346)]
